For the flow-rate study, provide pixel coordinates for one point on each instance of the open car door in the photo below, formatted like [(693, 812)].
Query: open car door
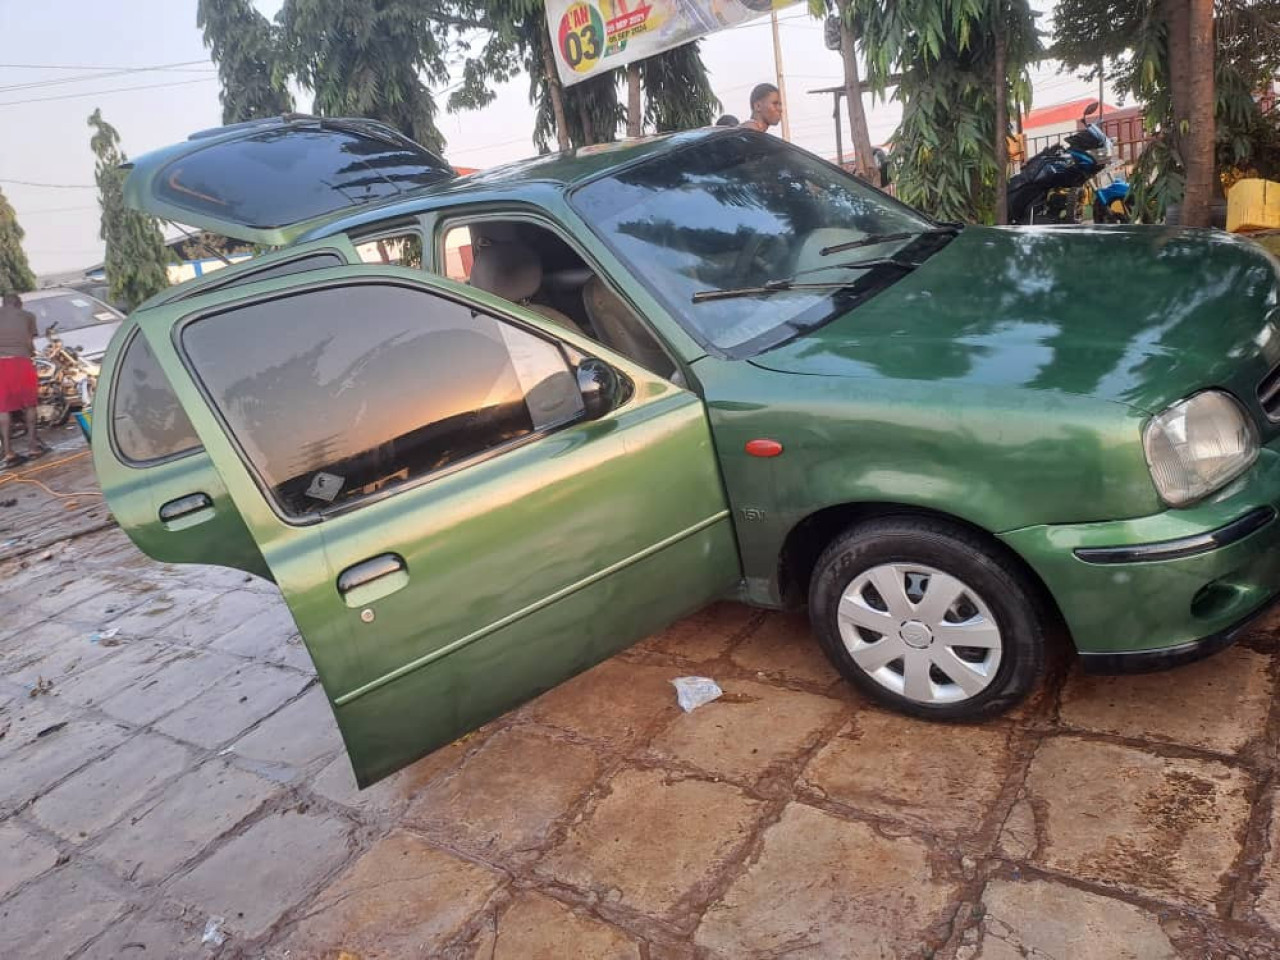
[(267, 181), (463, 503)]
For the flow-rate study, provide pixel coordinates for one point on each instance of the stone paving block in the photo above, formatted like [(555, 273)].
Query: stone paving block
[(751, 728), (15, 624), (828, 889), (937, 777), (30, 771), (202, 626), (102, 792), (505, 797), (255, 877), (299, 733), (403, 898), (705, 635), (655, 844), (617, 701), (1043, 919), (69, 589), (154, 934), (1162, 826), (165, 606), (100, 610), (23, 718), (232, 705), (172, 828), (22, 856), (391, 795), (783, 646), (264, 636), (1217, 704), (57, 914), (48, 649), (535, 927), (128, 664), (180, 680)]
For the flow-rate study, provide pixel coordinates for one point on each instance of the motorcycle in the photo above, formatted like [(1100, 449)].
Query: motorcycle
[(1113, 202), (66, 381), (1051, 186)]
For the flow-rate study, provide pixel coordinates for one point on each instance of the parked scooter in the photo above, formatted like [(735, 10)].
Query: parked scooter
[(67, 381), (1113, 202), (1050, 188)]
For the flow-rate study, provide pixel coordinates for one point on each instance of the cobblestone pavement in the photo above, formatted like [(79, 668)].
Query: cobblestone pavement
[(186, 768)]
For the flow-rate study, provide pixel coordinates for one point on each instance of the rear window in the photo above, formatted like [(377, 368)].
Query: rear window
[(71, 311), (147, 421), (280, 177)]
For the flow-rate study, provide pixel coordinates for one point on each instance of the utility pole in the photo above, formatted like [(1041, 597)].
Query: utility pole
[(777, 67)]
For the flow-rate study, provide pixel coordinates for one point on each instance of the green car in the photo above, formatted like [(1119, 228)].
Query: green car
[(485, 431)]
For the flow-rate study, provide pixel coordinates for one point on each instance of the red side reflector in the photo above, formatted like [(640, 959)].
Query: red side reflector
[(764, 448)]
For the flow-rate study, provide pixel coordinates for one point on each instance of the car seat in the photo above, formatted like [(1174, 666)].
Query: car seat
[(616, 324), (513, 271)]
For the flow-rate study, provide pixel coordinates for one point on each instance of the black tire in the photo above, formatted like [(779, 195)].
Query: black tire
[(953, 550)]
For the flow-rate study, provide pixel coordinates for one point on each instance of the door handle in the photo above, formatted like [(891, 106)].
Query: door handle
[(185, 507), (372, 579)]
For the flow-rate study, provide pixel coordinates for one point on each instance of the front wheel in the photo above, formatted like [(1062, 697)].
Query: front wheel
[(922, 616)]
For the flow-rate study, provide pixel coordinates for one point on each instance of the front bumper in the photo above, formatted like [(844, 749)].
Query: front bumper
[(1166, 589)]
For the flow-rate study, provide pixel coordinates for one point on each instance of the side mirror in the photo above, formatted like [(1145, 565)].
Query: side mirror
[(1092, 108), (601, 386), (51, 329)]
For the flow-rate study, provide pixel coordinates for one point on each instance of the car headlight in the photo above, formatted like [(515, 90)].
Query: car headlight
[(1197, 445)]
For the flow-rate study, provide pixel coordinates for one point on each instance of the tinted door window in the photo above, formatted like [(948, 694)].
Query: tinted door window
[(147, 420), (347, 391)]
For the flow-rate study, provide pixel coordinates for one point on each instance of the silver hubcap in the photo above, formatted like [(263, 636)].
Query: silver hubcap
[(920, 632)]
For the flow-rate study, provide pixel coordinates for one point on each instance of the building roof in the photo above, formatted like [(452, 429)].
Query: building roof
[(1059, 113)]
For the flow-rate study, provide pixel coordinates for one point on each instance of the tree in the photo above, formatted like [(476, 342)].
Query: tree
[(136, 252), (847, 19), (15, 272), (367, 58), (1144, 48), (943, 52), (677, 90), (247, 49)]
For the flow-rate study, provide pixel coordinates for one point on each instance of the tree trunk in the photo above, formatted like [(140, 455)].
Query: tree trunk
[(1001, 81), (1176, 15), (584, 118), (556, 93), (1198, 144), (635, 121), (859, 135)]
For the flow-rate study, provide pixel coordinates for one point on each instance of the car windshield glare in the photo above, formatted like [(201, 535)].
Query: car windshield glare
[(736, 211), (70, 311)]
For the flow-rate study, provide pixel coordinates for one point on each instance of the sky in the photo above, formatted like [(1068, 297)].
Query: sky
[(77, 52)]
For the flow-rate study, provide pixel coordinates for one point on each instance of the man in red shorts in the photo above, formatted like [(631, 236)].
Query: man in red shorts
[(18, 383)]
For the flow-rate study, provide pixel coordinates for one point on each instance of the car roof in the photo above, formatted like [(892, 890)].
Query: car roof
[(556, 171), (49, 292)]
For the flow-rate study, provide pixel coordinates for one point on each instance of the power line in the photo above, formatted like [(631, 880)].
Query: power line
[(99, 93), (52, 186), (102, 76), (82, 66)]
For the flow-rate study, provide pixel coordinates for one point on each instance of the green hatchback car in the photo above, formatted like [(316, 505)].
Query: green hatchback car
[(486, 431)]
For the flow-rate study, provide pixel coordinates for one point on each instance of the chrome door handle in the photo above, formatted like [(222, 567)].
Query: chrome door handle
[(185, 507), (367, 571)]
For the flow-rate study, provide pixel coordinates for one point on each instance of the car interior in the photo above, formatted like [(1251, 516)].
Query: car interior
[(532, 266)]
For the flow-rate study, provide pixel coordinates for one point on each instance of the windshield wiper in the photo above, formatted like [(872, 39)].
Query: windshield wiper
[(791, 283), (945, 229)]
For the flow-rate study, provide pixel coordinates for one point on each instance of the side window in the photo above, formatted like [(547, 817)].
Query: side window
[(147, 420), (398, 249), (350, 390), (286, 268), (533, 266)]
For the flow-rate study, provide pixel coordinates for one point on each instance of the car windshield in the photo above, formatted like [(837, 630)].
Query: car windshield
[(737, 211), (71, 311)]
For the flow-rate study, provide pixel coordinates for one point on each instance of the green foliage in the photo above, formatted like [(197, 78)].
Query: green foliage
[(677, 90), (15, 272), (136, 253), (367, 58), (945, 148), (247, 49), (1130, 39)]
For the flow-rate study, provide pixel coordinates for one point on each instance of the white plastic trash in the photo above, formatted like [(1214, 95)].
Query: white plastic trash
[(693, 692)]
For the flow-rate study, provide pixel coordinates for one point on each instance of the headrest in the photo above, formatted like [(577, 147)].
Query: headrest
[(507, 269)]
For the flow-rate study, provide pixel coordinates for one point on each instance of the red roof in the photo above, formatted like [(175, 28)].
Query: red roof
[(465, 171), (1059, 113)]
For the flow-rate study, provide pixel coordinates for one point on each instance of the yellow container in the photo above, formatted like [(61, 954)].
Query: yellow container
[(1253, 205)]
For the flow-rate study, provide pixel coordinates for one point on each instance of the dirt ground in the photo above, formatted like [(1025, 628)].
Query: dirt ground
[(176, 788)]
